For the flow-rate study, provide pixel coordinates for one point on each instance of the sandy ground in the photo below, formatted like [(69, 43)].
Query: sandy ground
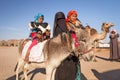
[(103, 69)]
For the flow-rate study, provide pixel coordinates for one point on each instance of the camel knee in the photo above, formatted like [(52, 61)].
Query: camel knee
[(19, 65), (25, 69)]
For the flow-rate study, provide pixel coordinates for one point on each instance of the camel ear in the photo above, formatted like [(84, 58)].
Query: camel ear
[(63, 38), (103, 24)]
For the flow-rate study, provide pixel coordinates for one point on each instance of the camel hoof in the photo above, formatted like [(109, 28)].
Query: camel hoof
[(94, 60)]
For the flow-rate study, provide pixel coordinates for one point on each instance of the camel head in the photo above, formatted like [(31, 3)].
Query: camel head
[(90, 35), (85, 41), (107, 26)]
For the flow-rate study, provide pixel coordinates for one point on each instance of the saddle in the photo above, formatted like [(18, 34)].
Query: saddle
[(36, 53)]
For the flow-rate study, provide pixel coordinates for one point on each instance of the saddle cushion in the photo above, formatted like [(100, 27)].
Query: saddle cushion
[(36, 53)]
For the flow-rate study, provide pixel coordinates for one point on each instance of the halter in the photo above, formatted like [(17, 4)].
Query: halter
[(84, 52), (87, 51)]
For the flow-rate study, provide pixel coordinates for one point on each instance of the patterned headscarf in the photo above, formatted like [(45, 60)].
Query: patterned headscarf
[(72, 12), (38, 16)]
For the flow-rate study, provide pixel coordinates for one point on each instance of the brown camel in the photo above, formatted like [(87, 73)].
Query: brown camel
[(55, 51), (95, 36), (100, 36), (58, 48)]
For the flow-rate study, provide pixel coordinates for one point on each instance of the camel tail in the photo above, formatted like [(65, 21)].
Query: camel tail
[(15, 67), (21, 45)]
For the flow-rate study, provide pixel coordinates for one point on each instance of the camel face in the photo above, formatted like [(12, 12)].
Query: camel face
[(87, 52), (106, 26)]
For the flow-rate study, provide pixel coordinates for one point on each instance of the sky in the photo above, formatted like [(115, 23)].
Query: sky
[(15, 15)]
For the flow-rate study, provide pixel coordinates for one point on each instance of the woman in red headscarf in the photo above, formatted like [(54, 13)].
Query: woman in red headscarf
[(72, 21), (70, 67)]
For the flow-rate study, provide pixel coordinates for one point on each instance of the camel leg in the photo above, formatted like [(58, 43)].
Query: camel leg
[(49, 71), (20, 64), (18, 67), (94, 56), (53, 74), (25, 71)]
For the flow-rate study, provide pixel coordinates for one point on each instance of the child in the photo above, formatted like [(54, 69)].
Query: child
[(38, 28), (72, 22)]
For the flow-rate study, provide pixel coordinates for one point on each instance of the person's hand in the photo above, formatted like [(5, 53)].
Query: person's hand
[(32, 24), (47, 33)]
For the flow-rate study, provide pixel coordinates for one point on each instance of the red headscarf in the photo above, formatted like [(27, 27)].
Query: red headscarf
[(71, 12), (73, 35)]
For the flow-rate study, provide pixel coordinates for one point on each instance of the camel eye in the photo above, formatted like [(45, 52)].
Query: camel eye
[(84, 40), (77, 27)]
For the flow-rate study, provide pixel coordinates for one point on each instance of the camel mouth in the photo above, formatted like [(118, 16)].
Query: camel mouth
[(112, 24)]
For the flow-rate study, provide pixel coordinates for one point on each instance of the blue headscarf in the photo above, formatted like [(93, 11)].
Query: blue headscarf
[(37, 17)]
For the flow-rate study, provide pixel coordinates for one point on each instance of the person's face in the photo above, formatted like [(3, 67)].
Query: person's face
[(73, 17), (48, 33), (40, 19), (39, 35), (113, 32)]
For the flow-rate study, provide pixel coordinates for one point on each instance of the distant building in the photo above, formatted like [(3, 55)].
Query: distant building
[(101, 43)]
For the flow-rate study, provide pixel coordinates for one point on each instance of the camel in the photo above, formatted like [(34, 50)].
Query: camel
[(95, 36), (105, 29), (58, 48), (55, 51)]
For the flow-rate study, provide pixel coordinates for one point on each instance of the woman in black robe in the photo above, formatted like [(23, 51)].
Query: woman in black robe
[(70, 67), (59, 24), (114, 45)]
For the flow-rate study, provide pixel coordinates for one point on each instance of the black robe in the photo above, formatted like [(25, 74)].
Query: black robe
[(69, 67), (59, 24)]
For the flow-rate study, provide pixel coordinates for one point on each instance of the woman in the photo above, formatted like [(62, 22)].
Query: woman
[(72, 22), (59, 24), (114, 45), (69, 68)]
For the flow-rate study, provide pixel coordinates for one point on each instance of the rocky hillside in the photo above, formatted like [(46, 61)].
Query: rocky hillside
[(9, 43)]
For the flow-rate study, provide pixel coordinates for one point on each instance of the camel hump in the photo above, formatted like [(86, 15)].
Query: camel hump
[(93, 31)]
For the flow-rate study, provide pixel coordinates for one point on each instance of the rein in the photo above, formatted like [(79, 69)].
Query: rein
[(87, 51)]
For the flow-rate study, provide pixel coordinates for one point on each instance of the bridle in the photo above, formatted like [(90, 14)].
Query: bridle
[(87, 51)]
